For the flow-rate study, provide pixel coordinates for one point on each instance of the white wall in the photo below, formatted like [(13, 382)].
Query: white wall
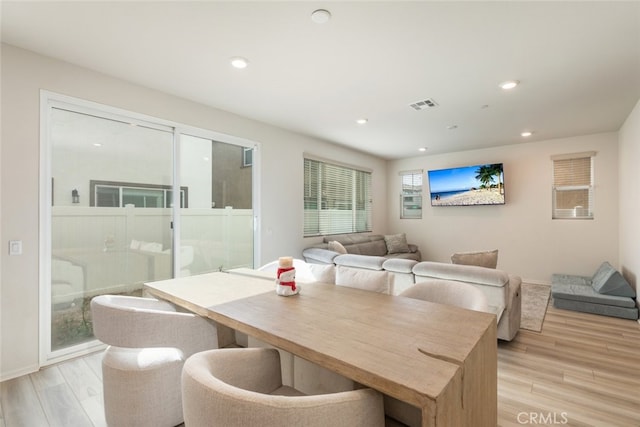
[(629, 227), (24, 74), (530, 243)]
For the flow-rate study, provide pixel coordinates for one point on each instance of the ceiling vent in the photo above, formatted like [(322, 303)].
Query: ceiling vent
[(423, 105)]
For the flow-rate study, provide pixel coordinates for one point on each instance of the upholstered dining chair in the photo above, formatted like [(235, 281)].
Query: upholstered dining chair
[(239, 387), (148, 344), (449, 292)]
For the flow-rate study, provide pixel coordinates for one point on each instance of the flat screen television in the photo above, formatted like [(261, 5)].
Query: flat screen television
[(467, 186)]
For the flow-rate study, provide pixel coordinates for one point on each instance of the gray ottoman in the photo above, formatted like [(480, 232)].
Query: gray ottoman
[(606, 293)]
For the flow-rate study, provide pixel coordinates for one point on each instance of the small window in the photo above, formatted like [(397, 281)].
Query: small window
[(247, 157), (573, 186), (411, 194)]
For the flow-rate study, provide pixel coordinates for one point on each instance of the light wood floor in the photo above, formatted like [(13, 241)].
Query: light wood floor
[(581, 370)]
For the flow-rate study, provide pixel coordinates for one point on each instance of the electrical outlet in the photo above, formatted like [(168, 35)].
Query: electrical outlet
[(15, 247)]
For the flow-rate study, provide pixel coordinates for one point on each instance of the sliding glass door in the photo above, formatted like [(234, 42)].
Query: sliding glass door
[(111, 214), (128, 201)]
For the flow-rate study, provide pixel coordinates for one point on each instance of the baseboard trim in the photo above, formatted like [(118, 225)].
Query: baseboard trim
[(536, 282), (6, 376)]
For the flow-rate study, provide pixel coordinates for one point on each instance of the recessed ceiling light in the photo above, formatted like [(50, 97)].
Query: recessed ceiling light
[(509, 84), (97, 144), (526, 133), (362, 121), (320, 16), (452, 127), (422, 149), (239, 62)]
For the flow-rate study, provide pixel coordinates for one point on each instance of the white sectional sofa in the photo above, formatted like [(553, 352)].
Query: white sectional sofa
[(502, 289)]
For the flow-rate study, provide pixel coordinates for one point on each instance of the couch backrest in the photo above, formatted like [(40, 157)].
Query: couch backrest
[(361, 244), (494, 283)]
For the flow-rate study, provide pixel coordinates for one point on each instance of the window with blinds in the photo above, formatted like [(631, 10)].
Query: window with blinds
[(573, 186), (411, 194), (337, 199)]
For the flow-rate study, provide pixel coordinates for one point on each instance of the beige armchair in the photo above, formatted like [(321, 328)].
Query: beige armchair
[(243, 387), (148, 344)]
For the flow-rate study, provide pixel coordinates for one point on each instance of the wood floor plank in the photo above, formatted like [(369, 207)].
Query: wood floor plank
[(81, 378), (62, 408), (47, 377), (20, 404), (94, 361)]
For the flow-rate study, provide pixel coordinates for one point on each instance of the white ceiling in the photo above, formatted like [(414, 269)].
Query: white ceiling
[(578, 63)]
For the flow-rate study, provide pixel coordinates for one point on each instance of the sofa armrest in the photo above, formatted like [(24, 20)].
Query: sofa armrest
[(319, 256)]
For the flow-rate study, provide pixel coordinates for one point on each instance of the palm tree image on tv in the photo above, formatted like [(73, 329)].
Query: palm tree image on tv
[(487, 174), (467, 186)]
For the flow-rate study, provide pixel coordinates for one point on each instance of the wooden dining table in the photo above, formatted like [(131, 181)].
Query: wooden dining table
[(440, 359)]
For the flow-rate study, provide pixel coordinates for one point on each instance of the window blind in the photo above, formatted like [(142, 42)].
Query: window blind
[(573, 187), (337, 199), (411, 194)]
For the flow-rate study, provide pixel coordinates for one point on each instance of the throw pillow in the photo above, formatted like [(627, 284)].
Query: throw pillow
[(396, 243), (488, 259), (337, 247)]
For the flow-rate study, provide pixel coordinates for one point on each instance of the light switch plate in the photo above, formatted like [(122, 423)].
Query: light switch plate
[(15, 247)]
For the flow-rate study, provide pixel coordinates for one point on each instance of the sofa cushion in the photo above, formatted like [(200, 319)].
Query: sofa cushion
[(396, 243), (568, 279), (319, 255), (464, 273), (323, 273), (602, 309), (586, 293), (488, 259), (368, 280), (399, 265), (336, 247), (360, 261), (415, 256), (373, 248), (608, 281)]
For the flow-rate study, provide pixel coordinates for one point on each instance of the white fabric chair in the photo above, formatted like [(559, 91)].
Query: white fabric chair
[(148, 344), (243, 387), (449, 292)]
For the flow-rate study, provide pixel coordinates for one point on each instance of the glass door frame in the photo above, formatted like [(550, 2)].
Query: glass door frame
[(50, 100)]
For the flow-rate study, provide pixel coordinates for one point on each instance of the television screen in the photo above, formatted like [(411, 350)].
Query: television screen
[(467, 186)]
